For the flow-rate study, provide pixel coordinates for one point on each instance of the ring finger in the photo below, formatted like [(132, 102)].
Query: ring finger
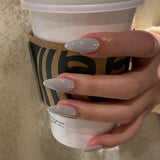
[(117, 112)]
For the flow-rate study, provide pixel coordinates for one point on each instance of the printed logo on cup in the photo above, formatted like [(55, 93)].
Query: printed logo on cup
[(52, 59)]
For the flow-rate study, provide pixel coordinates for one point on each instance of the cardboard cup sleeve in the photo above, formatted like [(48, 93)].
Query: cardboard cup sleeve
[(52, 59)]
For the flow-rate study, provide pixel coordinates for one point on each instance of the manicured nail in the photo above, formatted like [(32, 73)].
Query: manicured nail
[(93, 148), (63, 110), (59, 84), (83, 45)]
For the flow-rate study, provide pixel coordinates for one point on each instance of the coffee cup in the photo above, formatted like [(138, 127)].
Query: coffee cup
[(56, 22)]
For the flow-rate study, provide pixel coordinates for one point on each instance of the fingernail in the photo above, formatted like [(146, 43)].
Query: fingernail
[(59, 84), (93, 148), (63, 110), (83, 45)]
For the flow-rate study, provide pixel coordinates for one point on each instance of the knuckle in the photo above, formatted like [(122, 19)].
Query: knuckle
[(85, 114), (134, 88), (127, 116), (91, 86), (151, 47)]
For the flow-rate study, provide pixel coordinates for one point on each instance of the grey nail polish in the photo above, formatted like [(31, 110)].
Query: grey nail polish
[(93, 148), (83, 45), (63, 110), (59, 84)]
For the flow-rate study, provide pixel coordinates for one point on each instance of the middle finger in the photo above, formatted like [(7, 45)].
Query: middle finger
[(124, 87)]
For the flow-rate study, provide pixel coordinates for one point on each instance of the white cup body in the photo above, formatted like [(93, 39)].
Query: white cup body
[(64, 27), (74, 132)]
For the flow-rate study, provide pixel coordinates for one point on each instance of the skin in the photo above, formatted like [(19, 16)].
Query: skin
[(135, 100)]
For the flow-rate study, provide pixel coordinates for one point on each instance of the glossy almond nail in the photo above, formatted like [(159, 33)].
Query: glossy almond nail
[(63, 110), (83, 45), (93, 148), (60, 84)]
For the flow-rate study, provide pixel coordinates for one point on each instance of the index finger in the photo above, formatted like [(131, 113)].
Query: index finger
[(117, 44), (130, 43)]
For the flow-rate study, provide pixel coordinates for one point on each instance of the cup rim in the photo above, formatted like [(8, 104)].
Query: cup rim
[(84, 8)]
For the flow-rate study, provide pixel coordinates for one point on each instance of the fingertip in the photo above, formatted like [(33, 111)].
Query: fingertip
[(72, 76), (156, 37), (94, 141), (62, 102), (92, 35), (106, 141), (63, 75), (66, 102)]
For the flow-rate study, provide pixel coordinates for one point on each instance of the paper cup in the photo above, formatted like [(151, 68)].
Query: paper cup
[(59, 21), (55, 24)]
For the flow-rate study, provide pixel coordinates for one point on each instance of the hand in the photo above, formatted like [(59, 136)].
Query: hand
[(137, 91)]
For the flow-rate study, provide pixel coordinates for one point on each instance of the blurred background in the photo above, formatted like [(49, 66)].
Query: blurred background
[(24, 125)]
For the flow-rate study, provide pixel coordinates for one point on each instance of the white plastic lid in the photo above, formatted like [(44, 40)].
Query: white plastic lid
[(73, 2), (54, 6)]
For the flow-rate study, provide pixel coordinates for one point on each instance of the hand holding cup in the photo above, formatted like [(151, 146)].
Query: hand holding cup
[(136, 91)]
